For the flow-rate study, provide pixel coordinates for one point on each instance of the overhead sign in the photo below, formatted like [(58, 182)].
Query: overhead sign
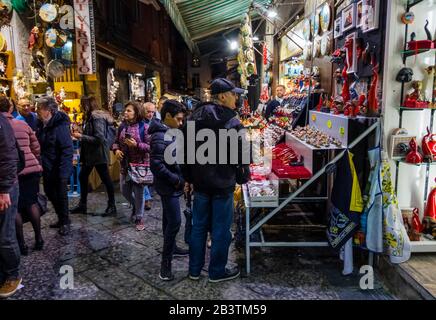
[(85, 37)]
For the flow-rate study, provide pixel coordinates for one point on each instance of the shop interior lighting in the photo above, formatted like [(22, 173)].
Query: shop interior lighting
[(234, 45), (255, 38), (272, 14)]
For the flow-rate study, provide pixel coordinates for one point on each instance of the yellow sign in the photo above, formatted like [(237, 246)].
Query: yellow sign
[(314, 117), (342, 131), (329, 124)]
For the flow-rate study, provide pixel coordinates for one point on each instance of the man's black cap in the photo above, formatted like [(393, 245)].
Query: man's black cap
[(222, 85)]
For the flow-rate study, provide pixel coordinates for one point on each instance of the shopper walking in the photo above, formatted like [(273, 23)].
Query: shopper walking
[(160, 106), (56, 157), (25, 107), (149, 113), (28, 178), (214, 185), (95, 144), (133, 146), (169, 183), (10, 279)]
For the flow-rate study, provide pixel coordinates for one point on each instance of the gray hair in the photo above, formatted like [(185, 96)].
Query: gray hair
[(48, 103)]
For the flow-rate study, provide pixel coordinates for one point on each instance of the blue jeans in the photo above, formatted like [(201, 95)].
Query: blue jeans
[(147, 194), (9, 251), (215, 212), (171, 221)]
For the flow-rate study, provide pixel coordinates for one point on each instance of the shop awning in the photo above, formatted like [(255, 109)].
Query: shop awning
[(197, 19)]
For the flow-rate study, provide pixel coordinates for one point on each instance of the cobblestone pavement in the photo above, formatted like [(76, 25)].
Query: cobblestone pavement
[(111, 260)]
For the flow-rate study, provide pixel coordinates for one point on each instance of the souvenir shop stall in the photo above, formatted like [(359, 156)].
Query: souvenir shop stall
[(309, 174), (409, 118)]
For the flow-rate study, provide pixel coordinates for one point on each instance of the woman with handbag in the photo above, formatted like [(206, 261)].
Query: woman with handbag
[(94, 153), (29, 208), (132, 149)]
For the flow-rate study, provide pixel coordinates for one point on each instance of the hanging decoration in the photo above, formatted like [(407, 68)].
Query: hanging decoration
[(20, 85), (113, 89), (246, 56), (48, 12)]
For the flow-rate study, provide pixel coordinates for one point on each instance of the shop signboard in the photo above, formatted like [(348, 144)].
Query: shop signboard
[(85, 37)]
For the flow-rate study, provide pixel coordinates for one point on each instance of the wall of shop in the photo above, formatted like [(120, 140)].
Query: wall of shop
[(412, 178)]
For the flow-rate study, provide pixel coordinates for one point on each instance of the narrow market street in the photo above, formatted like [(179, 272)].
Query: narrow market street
[(111, 260)]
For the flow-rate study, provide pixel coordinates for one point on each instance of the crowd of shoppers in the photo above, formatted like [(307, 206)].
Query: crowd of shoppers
[(39, 146)]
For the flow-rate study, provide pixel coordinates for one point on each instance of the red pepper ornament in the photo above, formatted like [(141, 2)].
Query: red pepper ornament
[(265, 55), (416, 222), (372, 93)]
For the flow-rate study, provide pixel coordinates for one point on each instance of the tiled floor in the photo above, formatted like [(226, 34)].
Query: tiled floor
[(111, 260)]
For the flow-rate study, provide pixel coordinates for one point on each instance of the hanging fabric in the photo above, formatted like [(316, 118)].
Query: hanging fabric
[(346, 203), (372, 217), (396, 240)]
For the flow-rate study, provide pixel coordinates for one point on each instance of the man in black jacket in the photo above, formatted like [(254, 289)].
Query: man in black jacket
[(279, 101), (214, 182), (57, 158), (9, 250), (168, 182)]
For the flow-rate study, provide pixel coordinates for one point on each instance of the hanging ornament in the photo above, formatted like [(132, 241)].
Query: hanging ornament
[(48, 12), (265, 54), (372, 92), (408, 18)]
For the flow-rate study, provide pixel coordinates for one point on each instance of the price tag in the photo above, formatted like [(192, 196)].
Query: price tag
[(329, 124), (314, 117)]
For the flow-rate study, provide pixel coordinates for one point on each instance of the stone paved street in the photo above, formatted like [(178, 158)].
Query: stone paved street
[(111, 260)]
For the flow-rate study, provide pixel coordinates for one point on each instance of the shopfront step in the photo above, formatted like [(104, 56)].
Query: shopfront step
[(412, 280)]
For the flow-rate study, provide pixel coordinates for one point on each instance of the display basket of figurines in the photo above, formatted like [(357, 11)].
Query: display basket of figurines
[(264, 193)]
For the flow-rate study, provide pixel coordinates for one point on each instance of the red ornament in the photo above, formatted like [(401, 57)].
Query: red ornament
[(429, 145), (430, 210), (372, 94), (265, 55), (33, 38), (416, 222), (413, 156), (346, 88), (319, 106)]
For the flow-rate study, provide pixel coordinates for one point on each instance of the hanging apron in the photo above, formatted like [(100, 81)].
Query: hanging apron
[(396, 240), (372, 218)]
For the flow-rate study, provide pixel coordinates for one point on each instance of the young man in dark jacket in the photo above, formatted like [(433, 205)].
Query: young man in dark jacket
[(9, 250), (168, 182), (214, 183), (57, 158)]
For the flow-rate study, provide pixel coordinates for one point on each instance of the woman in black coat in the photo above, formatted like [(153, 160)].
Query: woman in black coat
[(94, 152)]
